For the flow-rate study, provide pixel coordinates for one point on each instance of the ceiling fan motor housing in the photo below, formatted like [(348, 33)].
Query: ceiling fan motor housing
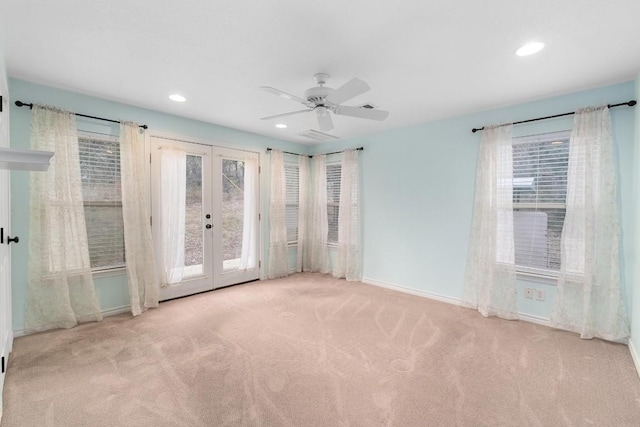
[(317, 95)]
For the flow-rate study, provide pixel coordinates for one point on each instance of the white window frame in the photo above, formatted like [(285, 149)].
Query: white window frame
[(526, 272)]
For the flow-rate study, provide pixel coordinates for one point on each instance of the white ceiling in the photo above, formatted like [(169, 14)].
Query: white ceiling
[(424, 60)]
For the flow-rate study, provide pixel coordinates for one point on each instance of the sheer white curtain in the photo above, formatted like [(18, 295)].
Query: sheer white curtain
[(141, 267), (319, 229), (278, 251), (348, 259), (173, 189), (249, 225), (60, 289), (303, 259), (490, 276), (589, 298)]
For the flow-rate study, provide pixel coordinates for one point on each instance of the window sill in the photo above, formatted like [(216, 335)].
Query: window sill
[(99, 274), (549, 278)]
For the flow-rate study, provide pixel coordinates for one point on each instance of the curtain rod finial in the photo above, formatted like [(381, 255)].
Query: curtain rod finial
[(24, 104)]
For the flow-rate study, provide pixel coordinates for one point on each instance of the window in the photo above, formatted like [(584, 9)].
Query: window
[(292, 178), (539, 195), (333, 200), (100, 174)]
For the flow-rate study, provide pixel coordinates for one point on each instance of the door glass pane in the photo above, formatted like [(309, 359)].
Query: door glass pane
[(232, 212), (193, 245)]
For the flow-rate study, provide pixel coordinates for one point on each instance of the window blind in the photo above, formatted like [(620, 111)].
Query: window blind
[(539, 194), (333, 200), (292, 178), (101, 192)]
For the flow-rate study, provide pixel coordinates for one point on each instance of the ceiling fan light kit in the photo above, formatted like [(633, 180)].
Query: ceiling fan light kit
[(325, 100)]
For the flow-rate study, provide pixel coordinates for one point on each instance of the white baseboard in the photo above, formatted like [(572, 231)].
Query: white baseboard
[(445, 298), (425, 294), (116, 310), (535, 319), (634, 355), (105, 313)]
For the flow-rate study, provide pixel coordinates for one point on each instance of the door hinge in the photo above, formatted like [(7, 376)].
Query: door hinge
[(1, 112), (259, 217), (151, 221), (259, 169), (259, 265), (3, 364), (149, 157)]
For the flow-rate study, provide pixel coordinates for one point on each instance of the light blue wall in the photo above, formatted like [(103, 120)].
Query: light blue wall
[(418, 186), (635, 260), (112, 291)]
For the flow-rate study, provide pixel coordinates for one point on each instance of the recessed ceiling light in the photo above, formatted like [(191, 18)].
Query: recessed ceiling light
[(281, 126), (530, 49), (178, 98)]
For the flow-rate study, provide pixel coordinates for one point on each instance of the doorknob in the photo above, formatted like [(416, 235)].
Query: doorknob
[(208, 216), (208, 226)]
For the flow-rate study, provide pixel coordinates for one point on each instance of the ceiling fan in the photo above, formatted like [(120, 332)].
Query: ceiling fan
[(323, 100)]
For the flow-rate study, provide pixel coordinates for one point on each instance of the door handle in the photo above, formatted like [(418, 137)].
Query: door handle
[(208, 226), (9, 238)]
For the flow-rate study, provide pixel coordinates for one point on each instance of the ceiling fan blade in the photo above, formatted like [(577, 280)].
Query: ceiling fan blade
[(285, 114), (363, 113), (350, 89), (284, 94), (324, 119)]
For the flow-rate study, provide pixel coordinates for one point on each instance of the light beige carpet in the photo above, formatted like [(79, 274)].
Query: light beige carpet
[(309, 350)]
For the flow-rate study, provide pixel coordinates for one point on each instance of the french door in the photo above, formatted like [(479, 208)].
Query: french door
[(204, 216)]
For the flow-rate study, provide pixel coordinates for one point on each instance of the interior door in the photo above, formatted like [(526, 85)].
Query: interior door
[(6, 330), (219, 221), (195, 237)]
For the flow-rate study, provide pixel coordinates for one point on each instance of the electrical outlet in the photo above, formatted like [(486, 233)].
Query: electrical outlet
[(539, 294), (528, 293)]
